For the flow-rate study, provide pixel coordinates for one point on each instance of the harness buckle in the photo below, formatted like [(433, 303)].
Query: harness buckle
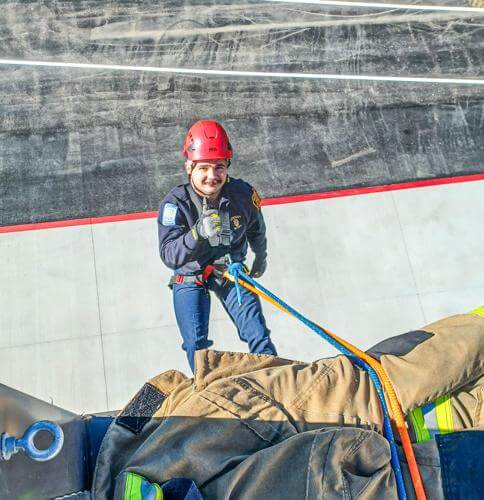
[(224, 237), (216, 269)]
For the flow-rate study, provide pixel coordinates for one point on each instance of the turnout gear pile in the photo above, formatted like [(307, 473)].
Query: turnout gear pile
[(252, 426)]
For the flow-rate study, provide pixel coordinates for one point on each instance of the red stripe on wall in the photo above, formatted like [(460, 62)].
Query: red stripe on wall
[(77, 222), (268, 201), (373, 189)]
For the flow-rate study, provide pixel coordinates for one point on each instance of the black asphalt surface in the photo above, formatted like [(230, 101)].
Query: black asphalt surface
[(82, 142)]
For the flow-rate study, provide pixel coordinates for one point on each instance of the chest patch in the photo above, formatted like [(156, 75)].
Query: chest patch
[(236, 221), (169, 214)]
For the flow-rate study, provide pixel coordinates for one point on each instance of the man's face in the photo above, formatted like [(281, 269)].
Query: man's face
[(207, 177)]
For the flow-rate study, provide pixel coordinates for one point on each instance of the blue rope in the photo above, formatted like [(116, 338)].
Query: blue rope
[(236, 269), (236, 272)]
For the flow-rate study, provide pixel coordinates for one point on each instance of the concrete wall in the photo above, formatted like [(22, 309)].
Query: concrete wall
[(86, 316)]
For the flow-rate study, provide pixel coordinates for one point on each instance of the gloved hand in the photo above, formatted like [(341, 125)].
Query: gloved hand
[(209, 224), (258, 267)]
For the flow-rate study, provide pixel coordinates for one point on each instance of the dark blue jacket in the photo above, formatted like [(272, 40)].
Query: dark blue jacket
[(181, 252)]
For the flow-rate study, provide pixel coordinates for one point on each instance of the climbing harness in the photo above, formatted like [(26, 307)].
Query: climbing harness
[(11, 445), (371, 366), (216, 270)]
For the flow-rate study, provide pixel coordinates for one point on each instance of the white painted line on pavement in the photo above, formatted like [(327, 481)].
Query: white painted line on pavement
[(381, 5), (257, 74)]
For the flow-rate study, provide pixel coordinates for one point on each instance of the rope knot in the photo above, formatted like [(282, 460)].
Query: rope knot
[(236, 269)]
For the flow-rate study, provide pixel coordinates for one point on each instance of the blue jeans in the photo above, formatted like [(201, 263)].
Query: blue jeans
[(192, 311)]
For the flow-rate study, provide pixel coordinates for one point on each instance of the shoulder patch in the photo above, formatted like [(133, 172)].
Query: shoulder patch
[(255, 199), (169, 214)]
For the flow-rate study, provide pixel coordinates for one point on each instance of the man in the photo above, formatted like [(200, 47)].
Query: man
[(204, 224)]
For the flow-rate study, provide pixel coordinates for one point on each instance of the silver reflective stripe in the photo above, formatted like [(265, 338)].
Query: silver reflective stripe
[(434, 418), (430, 417)]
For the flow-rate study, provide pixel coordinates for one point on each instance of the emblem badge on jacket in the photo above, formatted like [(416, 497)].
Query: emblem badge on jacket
[(236, 221)]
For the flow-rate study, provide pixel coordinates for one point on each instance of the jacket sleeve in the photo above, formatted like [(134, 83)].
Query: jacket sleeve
[(178, 243), (256, 229)]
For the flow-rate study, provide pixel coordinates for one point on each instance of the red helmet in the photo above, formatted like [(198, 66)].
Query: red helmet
[(207, 140)]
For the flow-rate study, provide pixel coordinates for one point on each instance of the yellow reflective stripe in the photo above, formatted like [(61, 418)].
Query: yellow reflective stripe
[(421, 432), (159, 491), (132, 490), (137, 487), (479, 311), (443, 411)]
